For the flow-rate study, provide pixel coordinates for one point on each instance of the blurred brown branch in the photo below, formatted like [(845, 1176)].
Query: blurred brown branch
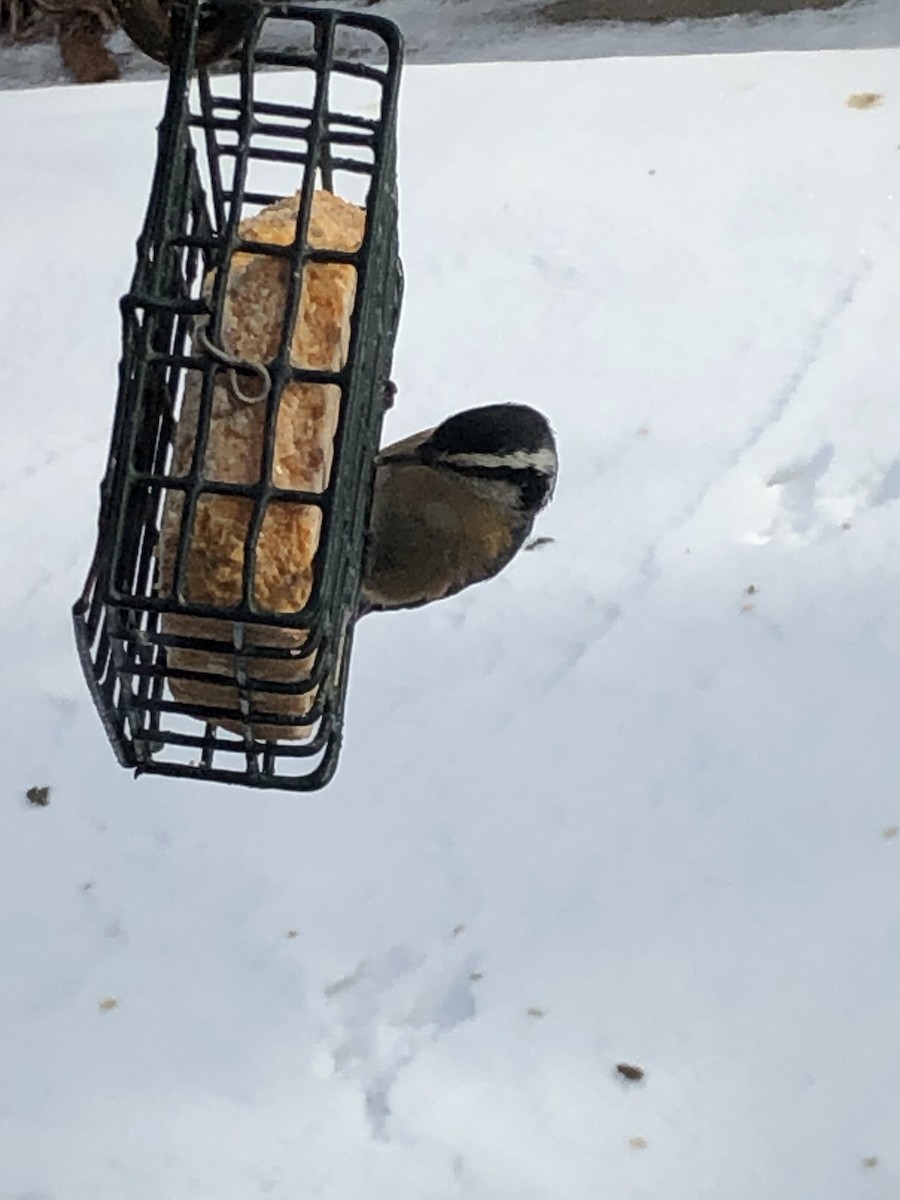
[(80, 26)]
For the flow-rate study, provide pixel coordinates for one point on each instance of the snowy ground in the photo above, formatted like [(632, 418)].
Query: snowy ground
[(446, 31), (637, 800)]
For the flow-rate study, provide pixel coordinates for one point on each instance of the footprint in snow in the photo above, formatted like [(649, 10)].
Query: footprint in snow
[(807, 509), (802, 509), (388, 1010)]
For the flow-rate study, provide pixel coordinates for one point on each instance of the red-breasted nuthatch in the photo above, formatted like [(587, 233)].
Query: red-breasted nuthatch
[(452, 505)]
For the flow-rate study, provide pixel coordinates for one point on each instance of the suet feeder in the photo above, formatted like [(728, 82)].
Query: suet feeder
[(212, 648)]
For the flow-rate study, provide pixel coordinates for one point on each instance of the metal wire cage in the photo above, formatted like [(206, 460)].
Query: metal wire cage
[(271, 681)]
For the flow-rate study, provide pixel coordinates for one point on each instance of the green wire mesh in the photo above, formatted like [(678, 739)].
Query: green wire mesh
[(230, 144)]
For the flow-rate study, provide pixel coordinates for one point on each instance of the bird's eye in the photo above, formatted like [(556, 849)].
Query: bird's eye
[(534, 489)]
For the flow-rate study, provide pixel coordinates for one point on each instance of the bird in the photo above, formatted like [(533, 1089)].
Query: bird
[(452, 505)]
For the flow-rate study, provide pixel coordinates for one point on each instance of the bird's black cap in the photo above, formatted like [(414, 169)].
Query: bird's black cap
[(497, 429)]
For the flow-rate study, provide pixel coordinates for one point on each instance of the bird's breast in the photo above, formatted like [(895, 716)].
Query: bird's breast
[(430, 536)]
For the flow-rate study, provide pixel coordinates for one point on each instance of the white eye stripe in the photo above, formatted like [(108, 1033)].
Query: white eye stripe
[(543, 460)]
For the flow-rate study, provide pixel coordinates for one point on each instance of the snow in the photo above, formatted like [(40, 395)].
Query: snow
[(634, 801)]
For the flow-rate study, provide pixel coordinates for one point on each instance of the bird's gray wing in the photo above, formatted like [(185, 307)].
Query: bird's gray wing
[(406, 450)]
